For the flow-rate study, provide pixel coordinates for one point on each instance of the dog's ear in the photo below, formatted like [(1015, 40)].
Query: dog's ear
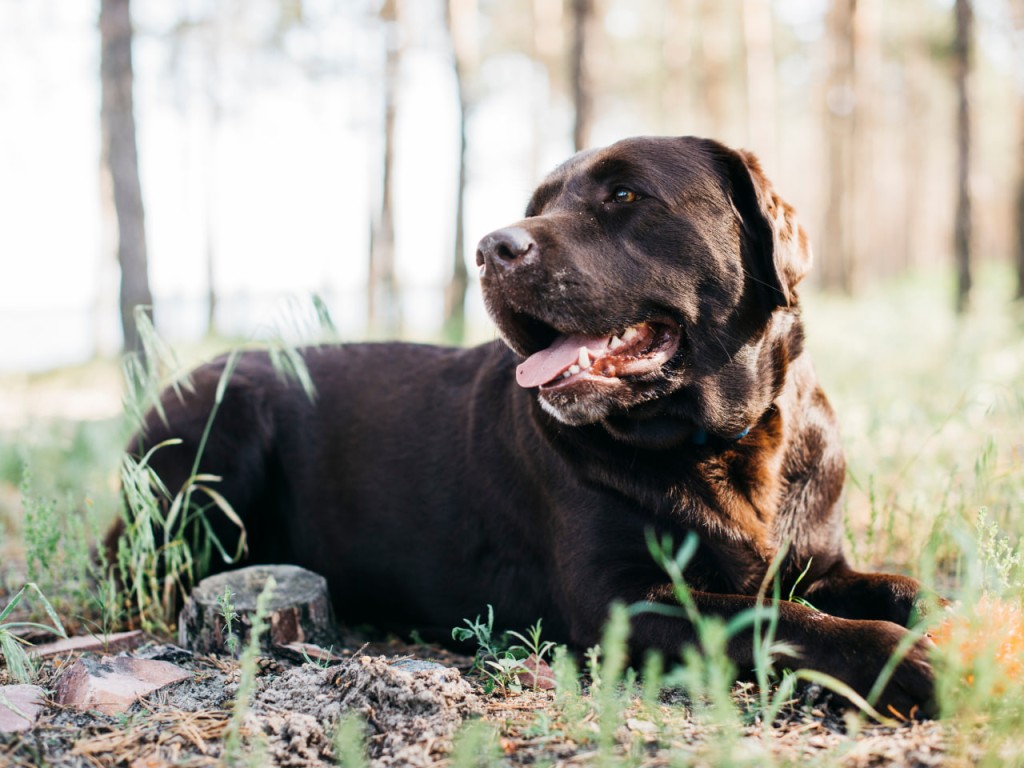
[(781, 254)]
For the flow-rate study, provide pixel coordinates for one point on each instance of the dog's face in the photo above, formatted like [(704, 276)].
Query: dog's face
[(646, 281)]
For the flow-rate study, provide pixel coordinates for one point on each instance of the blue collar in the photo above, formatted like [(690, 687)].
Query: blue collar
[(701, 437)]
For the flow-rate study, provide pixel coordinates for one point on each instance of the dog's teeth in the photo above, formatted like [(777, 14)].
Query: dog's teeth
[(629, 333), (616, 342), (574, 369), (584, 357), (566, 374)]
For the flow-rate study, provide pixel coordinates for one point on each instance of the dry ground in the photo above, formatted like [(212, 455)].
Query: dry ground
[(186, 725)]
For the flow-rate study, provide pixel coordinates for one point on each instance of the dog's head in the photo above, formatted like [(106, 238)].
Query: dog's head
[(651, 287)]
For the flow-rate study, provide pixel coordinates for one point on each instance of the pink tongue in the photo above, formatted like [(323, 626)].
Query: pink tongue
[(541, 367)]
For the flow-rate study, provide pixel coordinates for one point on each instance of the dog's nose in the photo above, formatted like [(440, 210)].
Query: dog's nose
[(505, 248)]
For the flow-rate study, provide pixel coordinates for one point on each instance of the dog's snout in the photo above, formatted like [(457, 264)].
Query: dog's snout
[(505, 248)]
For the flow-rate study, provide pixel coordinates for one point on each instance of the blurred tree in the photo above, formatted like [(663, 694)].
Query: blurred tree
[(962, 223), (675, 68), (1017, 11), (206, 33), (762, 110), (837, 262), (582, 89), (120, 158), (383, 302), (715, 66), (914, 127), (461, 17)]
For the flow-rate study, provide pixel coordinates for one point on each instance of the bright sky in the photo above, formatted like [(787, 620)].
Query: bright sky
[(289, 174)]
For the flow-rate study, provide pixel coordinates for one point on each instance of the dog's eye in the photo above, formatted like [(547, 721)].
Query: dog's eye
[(624, 195)]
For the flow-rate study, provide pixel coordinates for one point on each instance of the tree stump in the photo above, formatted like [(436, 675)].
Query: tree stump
[(299, 610)]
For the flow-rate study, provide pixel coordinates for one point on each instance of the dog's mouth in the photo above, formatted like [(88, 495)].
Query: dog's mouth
[(568, 359)]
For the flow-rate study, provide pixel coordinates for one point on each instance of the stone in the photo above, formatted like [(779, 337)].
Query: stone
[(110, 685), (299, 609), (536, 674), (20, 706), (418, 665)]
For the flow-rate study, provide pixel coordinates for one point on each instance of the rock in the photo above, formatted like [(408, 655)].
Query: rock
[(164, 652), (537, 674), (418, 665), (112, 643), (112, 684), (300, 609), (641, 726), (20, 706)]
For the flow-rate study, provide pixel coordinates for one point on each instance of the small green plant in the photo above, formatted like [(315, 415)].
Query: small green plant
[(227, 611), (105, 604), (492, 660), (569, 701), (235, 752), (607, 667), (350, 742), (482, 632), (531, 649), (323, 662), (500, 662), (476, 746), (42, 534), (767, 649), (12, 647), (1001, 563), (531, 644), (57, 547)]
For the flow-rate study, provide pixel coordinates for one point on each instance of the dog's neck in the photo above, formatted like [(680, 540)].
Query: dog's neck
[(665, 433)]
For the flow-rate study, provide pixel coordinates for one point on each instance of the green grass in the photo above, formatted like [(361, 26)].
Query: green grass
[(931, 410)]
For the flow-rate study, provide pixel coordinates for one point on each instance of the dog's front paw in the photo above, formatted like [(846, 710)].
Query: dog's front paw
[(861, 652)]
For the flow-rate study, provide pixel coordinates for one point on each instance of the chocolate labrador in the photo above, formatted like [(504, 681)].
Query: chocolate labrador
[(651, 378)]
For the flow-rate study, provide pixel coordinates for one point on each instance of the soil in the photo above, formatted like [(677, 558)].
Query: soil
[(413, 711)]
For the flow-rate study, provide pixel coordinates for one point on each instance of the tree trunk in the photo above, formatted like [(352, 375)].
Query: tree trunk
[(582, 95), (837, 263), (383, 301), (677, 79), (1019, 218), (762, 111), (211, 283), (915, 130), (120, 157), (1017, 9), (215, 105), (962, 231), (713, 25), (461, 18)]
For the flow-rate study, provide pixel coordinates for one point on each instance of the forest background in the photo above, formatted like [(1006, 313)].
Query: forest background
[(222, 156)]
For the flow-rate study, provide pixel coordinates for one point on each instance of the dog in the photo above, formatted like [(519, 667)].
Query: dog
[(650, 381)]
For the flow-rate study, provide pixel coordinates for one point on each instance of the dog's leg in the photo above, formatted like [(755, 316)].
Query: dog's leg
[(853, 651), (853, 595)]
